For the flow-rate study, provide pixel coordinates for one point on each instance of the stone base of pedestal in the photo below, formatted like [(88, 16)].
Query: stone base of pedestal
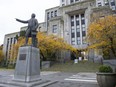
[(8, 82), (28, 64)]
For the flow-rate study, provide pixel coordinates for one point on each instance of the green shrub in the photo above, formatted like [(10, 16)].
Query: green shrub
[(105, 69)]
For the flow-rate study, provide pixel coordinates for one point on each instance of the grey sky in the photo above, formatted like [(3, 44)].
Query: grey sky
[(22, 9)]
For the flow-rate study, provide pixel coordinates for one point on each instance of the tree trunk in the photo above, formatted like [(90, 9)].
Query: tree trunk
[(112, 48), (43, 57)]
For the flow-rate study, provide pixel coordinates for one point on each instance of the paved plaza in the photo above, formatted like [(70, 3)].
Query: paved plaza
[(54, 79)]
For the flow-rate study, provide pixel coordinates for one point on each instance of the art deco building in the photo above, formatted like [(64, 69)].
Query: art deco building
[(70, 21)]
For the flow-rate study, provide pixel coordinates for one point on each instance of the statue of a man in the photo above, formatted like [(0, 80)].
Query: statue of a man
[(31, 30)]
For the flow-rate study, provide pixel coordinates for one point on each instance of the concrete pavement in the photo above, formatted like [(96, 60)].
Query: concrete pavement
[(55, 79)]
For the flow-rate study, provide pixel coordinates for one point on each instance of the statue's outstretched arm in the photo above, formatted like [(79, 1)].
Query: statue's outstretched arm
[(22, 21)]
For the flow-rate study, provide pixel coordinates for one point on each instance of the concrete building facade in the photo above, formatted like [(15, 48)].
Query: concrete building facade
[(71, 19), (9, 40)]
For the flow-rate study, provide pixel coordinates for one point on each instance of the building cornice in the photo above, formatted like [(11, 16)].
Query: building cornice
[(77, 3)]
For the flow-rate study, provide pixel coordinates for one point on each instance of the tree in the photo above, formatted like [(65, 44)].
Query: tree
[(15, 47), (102, 34), (1, 54), (22, 33), (49, 45)]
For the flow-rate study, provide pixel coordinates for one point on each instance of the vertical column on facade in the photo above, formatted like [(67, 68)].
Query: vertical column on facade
[(6, 49), (62, 28), (8, 56), (67, 28), (13, 42), (80, 28), (75, 30)]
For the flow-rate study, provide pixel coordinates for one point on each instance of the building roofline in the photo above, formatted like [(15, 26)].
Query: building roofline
[(81, 2), (42, 22), (11, 33), (52, 8)]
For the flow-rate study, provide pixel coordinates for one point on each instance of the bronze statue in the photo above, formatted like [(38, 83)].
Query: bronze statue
[(31, 30)]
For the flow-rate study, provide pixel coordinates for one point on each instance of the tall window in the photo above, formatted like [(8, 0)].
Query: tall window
[(14, 40), (72, 31), (51, 14), (54, 30), (55, 13), (78, 31), (48, 16)]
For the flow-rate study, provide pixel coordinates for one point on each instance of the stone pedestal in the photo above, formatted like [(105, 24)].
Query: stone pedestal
[(28, 64)]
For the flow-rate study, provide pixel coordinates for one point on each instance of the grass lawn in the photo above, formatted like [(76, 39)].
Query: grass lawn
[(83, 66)]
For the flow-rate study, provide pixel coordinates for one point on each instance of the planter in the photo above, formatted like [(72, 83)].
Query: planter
[(106, 79)]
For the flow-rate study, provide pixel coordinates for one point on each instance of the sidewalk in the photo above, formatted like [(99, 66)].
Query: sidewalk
[(72, 79), (55, 79)]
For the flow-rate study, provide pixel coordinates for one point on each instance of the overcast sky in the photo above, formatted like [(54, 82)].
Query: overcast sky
[(22, 9)]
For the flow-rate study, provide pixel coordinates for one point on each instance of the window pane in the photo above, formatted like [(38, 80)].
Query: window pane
[(62, 0), (77, 17), (77, 22), (83, 28), (71, 1), (54, 28), (78, 41), (78, 34), (72, 23), (83, 21), (73, 39), (73, 42), (112, 3), (83, 33), (84, 40), (99, 4), (72, 35), (82, 15), (72, 18), (73, 30), (72, 27), (76, 0), (78, 29)]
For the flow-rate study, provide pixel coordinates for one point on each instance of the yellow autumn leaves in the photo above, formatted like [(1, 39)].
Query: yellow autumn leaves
[(102, 33), (1, 54), (49, 45)]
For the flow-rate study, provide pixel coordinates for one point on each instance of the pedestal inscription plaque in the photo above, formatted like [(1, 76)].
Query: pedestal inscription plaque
[(22, 57)]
